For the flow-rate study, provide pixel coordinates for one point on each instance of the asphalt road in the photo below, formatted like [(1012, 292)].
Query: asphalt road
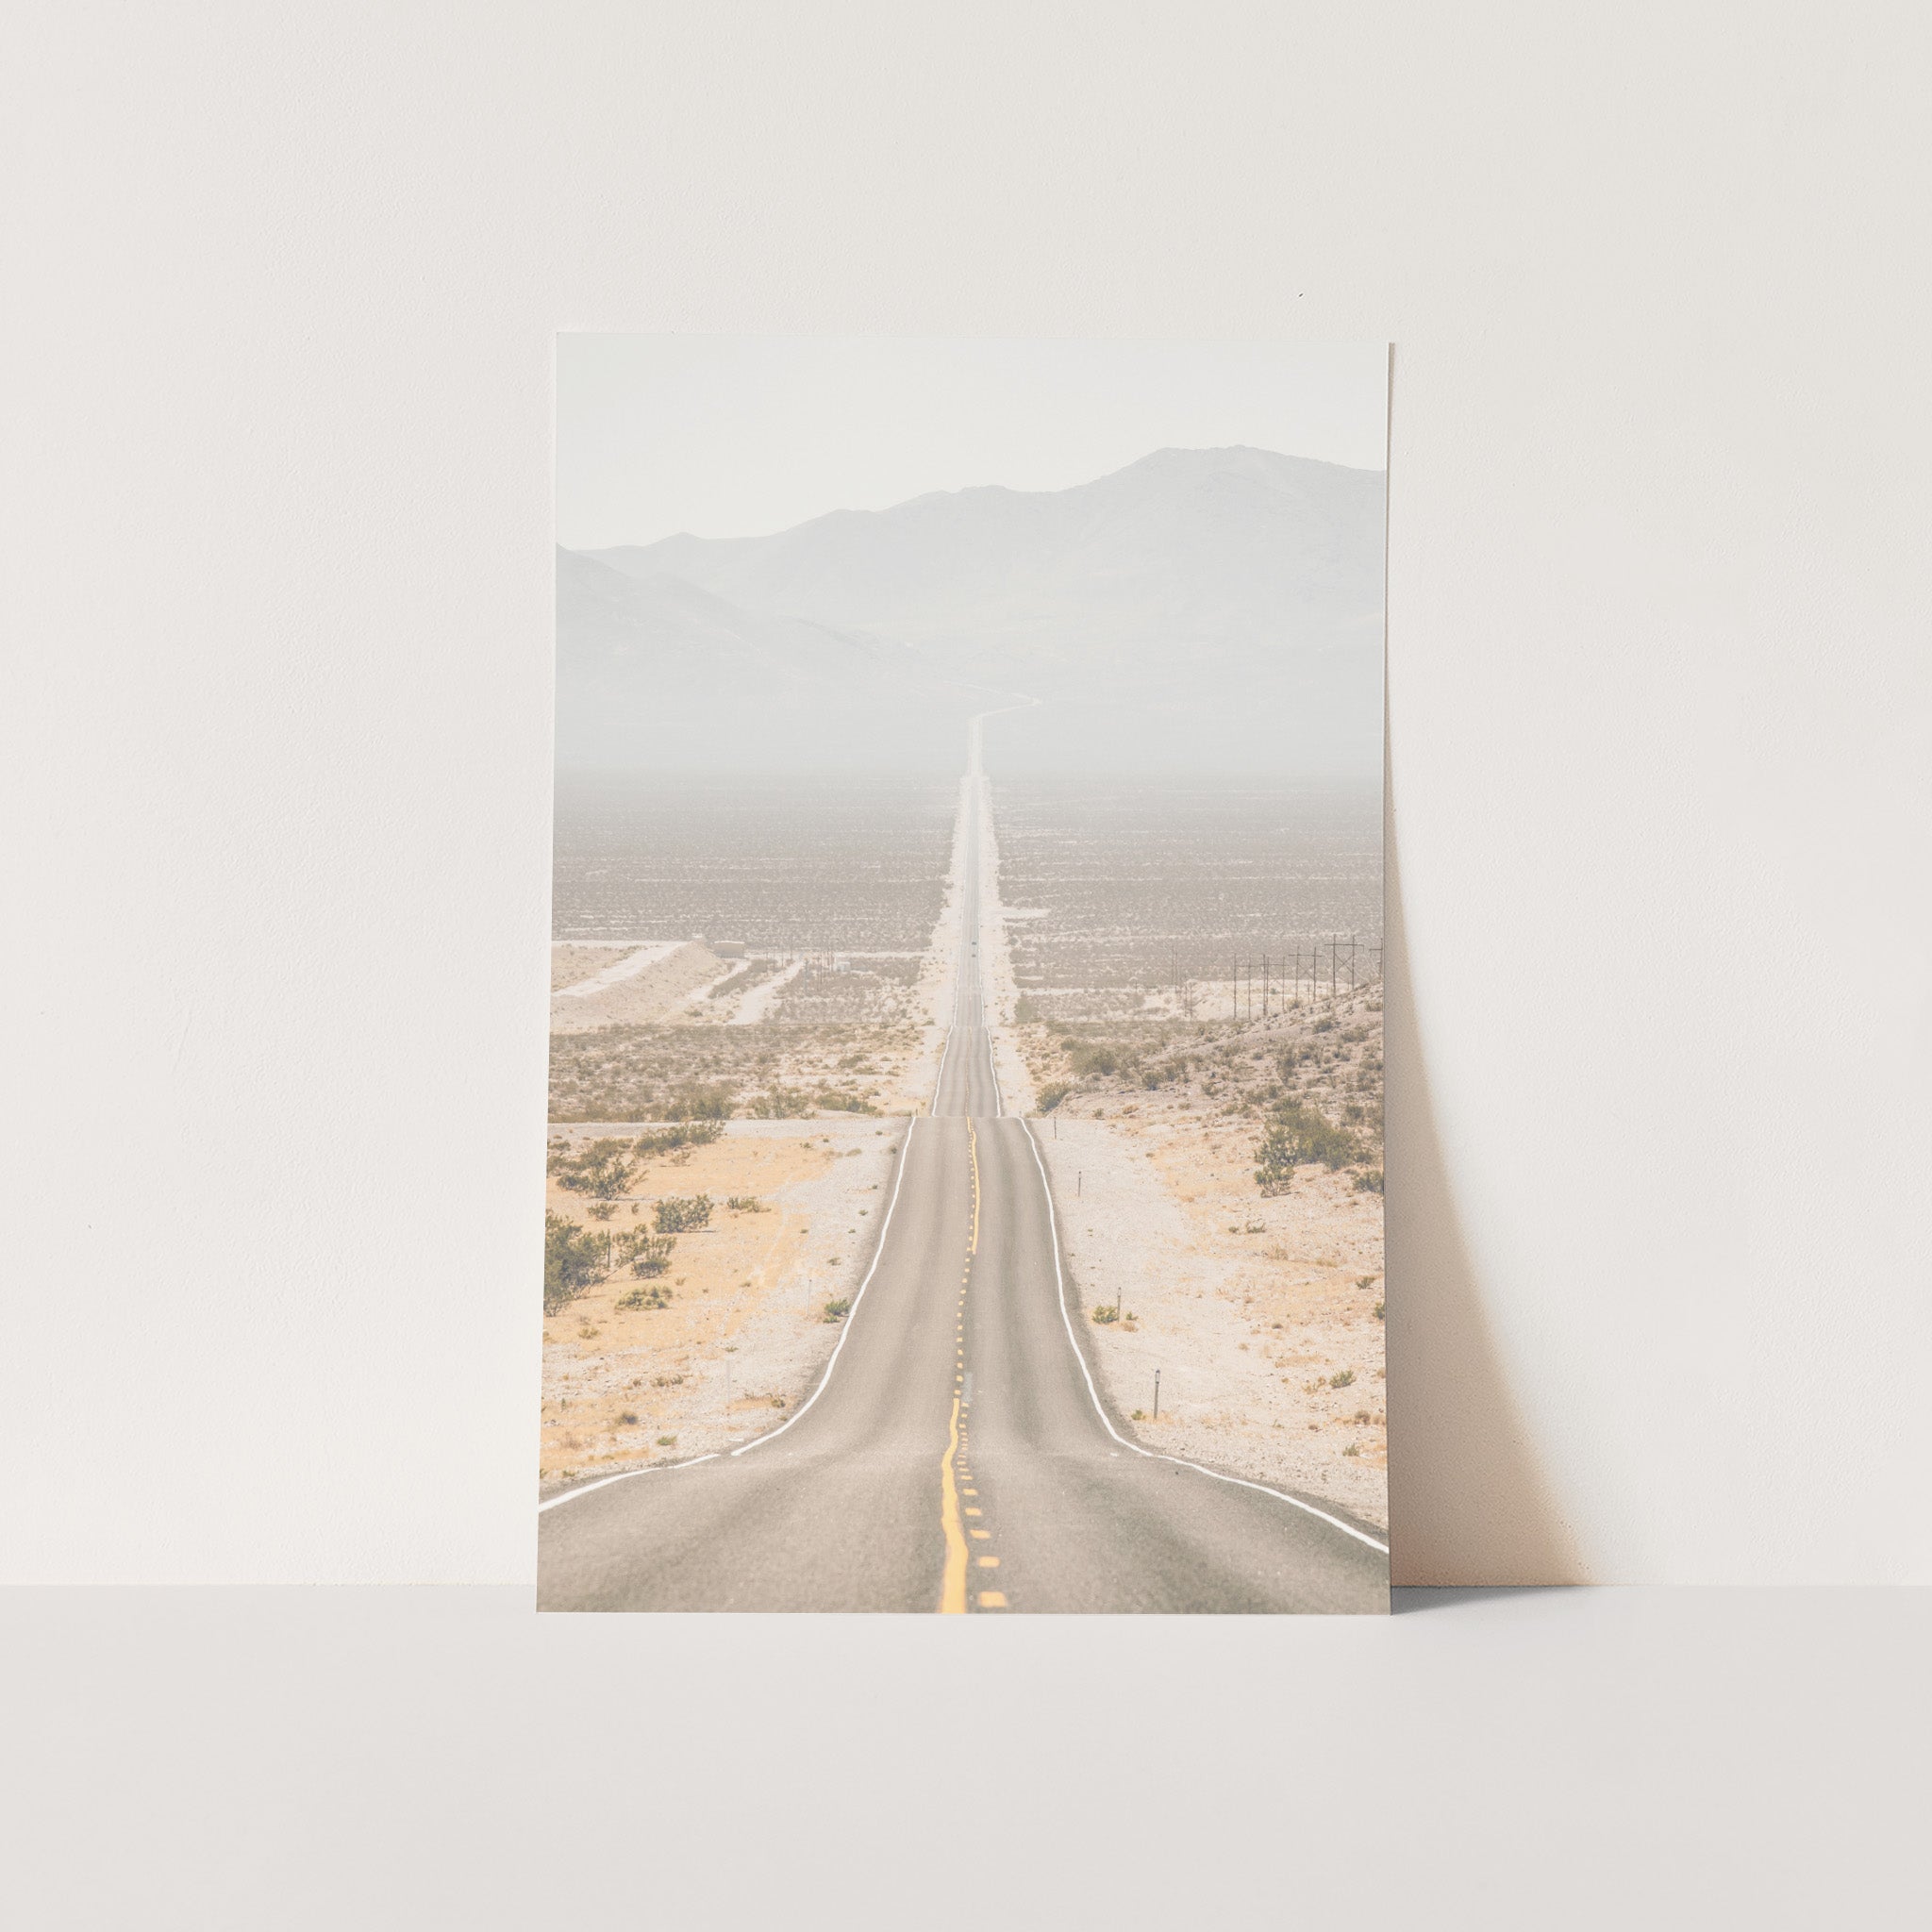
[(955, 1455)]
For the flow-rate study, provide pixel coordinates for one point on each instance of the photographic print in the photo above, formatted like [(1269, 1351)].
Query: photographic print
[(964, 1178)]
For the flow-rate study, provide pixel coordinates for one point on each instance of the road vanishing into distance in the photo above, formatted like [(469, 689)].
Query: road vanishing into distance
[(957, 1454)]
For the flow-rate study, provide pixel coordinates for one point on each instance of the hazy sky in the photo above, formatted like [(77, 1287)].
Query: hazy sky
[(730, 436)]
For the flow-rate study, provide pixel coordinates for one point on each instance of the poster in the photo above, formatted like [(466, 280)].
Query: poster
[(964, 1180)]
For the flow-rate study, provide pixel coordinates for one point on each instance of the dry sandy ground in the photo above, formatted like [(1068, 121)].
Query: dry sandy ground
[(759, 1001), (663, 985), (1249, 1307), (748, 1295), (577, 962)]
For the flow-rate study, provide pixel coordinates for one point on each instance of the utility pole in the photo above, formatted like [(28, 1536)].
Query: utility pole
[(1157, 1395)]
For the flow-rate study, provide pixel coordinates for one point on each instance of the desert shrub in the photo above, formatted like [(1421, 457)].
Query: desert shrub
[(1275, 1162), (667, 1442), (1094, 1057), (655, 1296), (651, 1252), (1342, 1378), (746, 1204), (1052, 1093), (780, 1104), (683, 1134), (837, 1308), (1369, 1181), (697, 1101), (1105, 1312), (572, 1260), (1297, 1135), (602, 1170), (678, 1213), (846, 1102), (628, 1419)]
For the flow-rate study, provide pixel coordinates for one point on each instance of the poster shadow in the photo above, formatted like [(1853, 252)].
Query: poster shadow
[(1470, 1503)]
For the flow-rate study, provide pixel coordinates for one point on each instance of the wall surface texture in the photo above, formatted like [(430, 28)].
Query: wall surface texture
[(275, 741)]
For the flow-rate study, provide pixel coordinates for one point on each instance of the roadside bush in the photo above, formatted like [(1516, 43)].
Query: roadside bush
[(837, 1308), (1299, 1134), (678, 1213), (1369, 1181), (1052, 1093), (603, 1170), (1105, 1312), (1275, 1162), (656, 1296), (672, 1140), (1342, 1378), (780, 1104), (846, 1102), (746, 1204), (699, 1102), (572, 1260), (650, 1254)]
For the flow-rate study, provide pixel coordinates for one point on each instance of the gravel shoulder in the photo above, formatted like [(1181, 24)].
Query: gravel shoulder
[(1259, 1315)]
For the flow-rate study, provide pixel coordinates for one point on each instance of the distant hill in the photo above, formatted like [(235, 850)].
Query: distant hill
[(1198, 609), (661, 674)]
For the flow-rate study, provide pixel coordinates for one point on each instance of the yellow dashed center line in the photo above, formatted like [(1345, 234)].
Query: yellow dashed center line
[(952, 1585), (973, 1156), (953, 1470)]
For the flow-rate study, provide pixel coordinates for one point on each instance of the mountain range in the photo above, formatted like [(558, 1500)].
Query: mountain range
[(1199, 609)]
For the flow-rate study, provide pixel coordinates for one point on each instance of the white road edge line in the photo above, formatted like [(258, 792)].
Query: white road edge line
[(621, 1475), (1099, 1409), (946, 1052), (851, 1314)]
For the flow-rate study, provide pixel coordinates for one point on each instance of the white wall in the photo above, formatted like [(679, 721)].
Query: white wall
[(276, 598)]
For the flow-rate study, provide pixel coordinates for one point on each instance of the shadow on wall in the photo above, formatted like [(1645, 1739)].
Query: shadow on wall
[(1467, 1501)]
